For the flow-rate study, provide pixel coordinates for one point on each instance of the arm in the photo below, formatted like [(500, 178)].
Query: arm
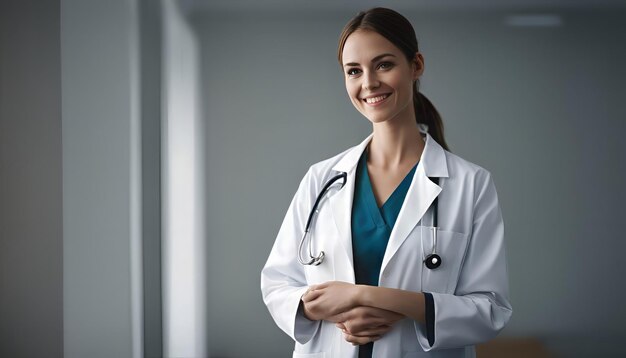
[(334, 297), (479, 307), (365, 324), (407, 303), (282, 279), (339, 302), (415, 305)]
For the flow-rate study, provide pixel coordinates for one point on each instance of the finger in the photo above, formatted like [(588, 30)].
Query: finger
[(305, 297), (374, 331), (378, 313), (359, 340), (342, 317), (310, 315), (361, 324), (337, 318), (323, 285), (312, 295), (361, 319)]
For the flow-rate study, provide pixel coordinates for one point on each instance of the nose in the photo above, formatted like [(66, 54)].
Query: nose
[(370, 80)]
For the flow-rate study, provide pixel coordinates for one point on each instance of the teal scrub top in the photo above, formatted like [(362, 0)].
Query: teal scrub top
[(371, 225)]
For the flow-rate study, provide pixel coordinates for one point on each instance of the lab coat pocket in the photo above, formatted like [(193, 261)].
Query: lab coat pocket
[(451, 247), (309, 355)]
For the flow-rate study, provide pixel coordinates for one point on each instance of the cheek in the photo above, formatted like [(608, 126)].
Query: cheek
[(399, 80), (404, 90), (353, 93)]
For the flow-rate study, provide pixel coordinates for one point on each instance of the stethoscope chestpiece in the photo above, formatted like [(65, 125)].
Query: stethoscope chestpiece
[(319, 259), (432, 261)]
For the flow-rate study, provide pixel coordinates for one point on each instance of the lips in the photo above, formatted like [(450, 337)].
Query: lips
[(375, 100)]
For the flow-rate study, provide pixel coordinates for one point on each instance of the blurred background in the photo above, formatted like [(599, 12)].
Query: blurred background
[(149, 151)]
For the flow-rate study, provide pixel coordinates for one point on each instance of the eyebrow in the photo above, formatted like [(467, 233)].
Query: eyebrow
[(373, 60)]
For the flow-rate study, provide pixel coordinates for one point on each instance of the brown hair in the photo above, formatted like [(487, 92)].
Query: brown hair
[(399, 31)]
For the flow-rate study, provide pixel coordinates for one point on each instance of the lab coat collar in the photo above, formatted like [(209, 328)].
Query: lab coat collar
[(433, 159), (419, 197)]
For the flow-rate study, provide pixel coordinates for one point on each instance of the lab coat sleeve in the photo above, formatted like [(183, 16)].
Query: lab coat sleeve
[(283, 281), (479, 307)]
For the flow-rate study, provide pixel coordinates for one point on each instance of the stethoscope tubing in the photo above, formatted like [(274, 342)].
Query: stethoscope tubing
[(316, 260), (342, 175), (432, 261)]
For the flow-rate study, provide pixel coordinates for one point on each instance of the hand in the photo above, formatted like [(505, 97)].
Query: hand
[(329, 299), (364, 324), (361, 340)]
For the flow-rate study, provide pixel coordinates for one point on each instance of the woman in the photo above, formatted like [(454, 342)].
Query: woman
[(412, 235)]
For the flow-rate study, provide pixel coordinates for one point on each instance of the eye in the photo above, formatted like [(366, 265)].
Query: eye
[(385, 65), (353, 71)]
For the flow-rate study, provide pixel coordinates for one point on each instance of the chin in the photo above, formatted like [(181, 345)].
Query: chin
[(379, 118)]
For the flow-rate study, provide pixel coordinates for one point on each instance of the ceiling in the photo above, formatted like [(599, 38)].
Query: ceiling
[(406, 5)]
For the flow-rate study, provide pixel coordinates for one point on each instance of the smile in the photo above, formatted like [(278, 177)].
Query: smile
[(376, 100)]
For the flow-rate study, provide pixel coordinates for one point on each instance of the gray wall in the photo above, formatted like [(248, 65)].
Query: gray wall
[(102, 284), (31, 230), (111, 178), (541, 108), (31, 270), (150, 63)]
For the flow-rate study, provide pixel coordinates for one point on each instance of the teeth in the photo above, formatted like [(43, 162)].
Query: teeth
[(376, 99)]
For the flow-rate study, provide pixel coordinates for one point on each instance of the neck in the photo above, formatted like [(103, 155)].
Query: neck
[(395, 143)]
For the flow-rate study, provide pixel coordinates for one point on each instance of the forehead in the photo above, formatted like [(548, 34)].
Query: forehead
[(363, 45)]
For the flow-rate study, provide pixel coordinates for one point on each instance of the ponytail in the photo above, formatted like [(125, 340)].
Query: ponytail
[(426, 113)]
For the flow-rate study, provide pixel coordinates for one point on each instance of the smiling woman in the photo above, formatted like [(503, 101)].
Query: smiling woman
[(406, 252), (379, 84), (392, 35)]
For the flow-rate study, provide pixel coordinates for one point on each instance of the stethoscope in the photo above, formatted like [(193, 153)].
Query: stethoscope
[(432, 261), (316, 260)]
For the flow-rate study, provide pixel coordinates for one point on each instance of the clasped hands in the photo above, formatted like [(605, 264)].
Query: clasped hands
[(341, 303)]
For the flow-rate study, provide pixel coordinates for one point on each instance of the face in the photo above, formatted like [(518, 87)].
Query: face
[(379, 78)]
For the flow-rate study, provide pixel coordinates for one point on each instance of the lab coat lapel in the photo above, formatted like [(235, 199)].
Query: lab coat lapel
[(341, 206), (419, 197), (341, 203)]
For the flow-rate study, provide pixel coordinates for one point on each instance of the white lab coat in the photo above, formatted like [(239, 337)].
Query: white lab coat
[(470, 288)]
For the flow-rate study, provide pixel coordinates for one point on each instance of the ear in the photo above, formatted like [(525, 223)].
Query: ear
[(417, 63)]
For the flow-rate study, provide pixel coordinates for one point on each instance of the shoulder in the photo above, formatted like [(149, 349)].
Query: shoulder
[(468, 177), (317, 176), (463, 168), (322, 171), (472, 180)]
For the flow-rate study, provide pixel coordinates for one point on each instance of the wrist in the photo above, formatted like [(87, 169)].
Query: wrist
[(360, 296)]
